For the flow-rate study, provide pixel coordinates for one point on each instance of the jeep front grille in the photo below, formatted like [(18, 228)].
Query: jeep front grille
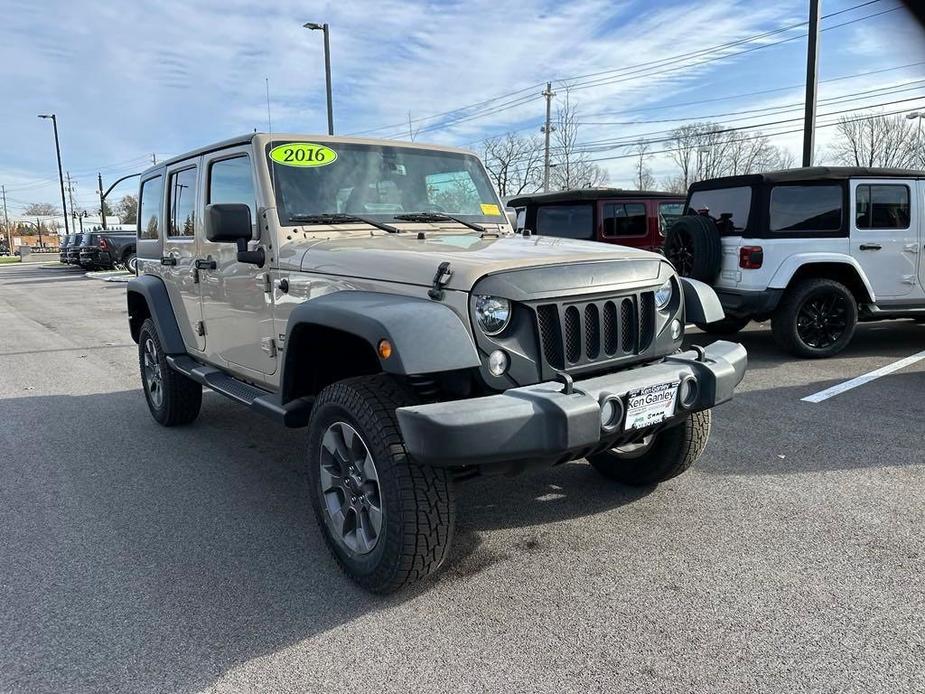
[(581, 333)]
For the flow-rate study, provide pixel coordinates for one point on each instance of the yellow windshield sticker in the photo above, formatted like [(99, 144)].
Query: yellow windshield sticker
[(303, 154), (490, 210)]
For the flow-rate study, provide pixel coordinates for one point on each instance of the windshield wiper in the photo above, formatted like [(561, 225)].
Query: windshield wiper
[(340, 218), (437, 217)]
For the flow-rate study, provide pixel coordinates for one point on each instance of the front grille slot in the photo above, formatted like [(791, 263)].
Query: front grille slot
[(587, 332), (572, 335)]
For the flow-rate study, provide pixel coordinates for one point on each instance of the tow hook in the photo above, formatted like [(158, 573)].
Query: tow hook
[(701, 352), (442, 276)]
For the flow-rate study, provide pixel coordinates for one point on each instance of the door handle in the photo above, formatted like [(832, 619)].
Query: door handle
[(870, 246), (205, 264), (168, 260)]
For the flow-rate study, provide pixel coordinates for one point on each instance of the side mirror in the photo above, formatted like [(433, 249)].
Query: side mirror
[(231, 223), (511, 217), (228, 222)]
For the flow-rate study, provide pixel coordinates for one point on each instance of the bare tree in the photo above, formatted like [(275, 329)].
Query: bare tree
[(644, 178), (514, 164), (41, 209), (572, 166), (707, 150), (875, 141), (128, 209)]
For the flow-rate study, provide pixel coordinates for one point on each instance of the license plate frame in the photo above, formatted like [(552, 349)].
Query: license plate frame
[(651, 405)]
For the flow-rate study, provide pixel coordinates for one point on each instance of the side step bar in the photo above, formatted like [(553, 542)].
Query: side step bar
[(294, 413)]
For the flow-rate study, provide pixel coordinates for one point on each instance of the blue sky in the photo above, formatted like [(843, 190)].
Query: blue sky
[(130, 79)]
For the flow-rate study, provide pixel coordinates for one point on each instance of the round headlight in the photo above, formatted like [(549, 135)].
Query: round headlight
[(663, 295), (493, 314)]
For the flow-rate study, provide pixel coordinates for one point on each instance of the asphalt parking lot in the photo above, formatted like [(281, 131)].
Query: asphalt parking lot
[(134, 558)]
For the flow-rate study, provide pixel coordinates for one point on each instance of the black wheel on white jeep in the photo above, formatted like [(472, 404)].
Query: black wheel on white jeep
[(657, 457), (387, 520), (172, 398), (694, 248), (815, 319), (727, 326)]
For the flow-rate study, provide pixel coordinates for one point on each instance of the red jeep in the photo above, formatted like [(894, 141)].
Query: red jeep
[(612, 215)]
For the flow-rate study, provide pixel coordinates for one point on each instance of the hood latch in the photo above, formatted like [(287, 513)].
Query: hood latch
[(441, 278)]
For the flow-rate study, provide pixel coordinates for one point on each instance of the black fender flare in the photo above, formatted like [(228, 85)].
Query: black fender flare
[(153, 292), (701, 304), (426, 336)]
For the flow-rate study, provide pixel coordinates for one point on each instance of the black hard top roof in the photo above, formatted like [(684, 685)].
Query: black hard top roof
[(587, 194), (808, 173)]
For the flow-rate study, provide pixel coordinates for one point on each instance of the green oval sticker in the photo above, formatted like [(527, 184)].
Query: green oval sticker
[(303, 154)]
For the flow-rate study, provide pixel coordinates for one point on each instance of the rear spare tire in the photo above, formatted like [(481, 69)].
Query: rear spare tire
[(693, 247)]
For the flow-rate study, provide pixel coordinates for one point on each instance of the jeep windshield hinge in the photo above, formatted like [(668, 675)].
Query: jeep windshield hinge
[(441, 278)]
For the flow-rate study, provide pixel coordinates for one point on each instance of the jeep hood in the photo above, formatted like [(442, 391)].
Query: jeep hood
[(407, 259)]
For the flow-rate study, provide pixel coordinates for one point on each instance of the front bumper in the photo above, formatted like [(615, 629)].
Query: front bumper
[(542, 423)]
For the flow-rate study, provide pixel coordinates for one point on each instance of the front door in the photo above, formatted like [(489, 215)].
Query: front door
[(180, 251), (885, 236), (237, 309)]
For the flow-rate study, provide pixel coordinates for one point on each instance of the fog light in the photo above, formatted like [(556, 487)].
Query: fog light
[(497, 363), (611, 412), (675, 329), (688, 391)]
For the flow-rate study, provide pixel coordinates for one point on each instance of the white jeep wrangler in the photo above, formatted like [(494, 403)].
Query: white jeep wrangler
[(813, 249)]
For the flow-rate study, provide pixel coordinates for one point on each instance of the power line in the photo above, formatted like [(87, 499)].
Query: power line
[(642, 68)]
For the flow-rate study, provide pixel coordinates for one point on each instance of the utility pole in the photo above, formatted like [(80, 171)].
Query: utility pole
[(6, 222), (153, 159), (812, 77), (325, 29), (548, 93), (70, 193), (99, 178)]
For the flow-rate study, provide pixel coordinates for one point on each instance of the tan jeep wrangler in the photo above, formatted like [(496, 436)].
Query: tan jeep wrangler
[(376, 293)]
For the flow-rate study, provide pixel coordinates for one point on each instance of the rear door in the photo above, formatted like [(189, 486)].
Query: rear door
[(626, 222), (237, 308), (885, 235), (181, 250)]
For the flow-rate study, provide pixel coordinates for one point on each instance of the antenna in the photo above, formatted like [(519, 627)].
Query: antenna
[(269, 121)]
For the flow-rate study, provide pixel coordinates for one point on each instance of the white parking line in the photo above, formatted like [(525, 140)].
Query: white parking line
[(866, 378)]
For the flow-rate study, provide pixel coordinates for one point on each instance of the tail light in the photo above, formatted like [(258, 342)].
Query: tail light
[(751, 257), (103, 245)]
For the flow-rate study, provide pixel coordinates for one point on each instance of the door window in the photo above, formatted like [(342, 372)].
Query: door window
[(182, 203), (230, 180), (882, 206), (567, 221), (625, 219), (149, 215), (806, 208)]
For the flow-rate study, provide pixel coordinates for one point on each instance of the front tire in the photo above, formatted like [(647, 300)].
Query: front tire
[(667, 454), (387, 520), (816, 319), (173, 399)]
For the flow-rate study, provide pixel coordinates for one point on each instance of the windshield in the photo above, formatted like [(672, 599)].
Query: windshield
[(735, 202), (378, 181)]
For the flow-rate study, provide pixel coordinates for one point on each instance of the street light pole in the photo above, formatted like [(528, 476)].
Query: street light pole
[(812, 78), (54, 122), (312, 26)]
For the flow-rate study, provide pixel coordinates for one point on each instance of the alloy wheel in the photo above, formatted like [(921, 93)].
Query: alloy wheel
[(349, 490), (679, 249), (822, 320), (152, 372)]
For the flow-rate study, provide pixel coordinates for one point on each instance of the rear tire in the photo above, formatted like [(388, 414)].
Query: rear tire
[(816, 319), (131, 263), (670, 453), (694, 248), (173, 399), (727, 326), (387, 520)]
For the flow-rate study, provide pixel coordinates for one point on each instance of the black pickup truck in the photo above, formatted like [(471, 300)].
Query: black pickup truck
[(110, 249)]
